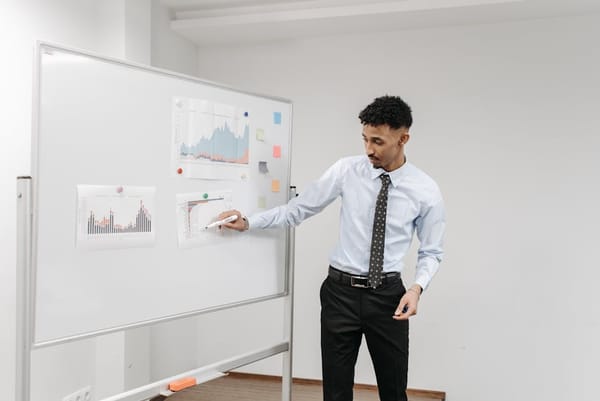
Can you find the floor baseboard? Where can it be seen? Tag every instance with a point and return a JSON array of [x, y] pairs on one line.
[[429, 394]]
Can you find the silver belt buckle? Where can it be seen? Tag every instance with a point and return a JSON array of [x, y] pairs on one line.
[[355, 281]]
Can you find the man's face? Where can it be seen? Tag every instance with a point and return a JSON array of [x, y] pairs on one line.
[[385, 146]]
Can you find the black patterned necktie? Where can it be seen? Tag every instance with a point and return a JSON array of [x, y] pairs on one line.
[[378, 238]]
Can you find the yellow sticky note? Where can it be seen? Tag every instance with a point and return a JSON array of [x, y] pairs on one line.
[[275, 186], [260, 134], [276, 151]]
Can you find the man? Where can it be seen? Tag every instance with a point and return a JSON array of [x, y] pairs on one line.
[[384, 200]]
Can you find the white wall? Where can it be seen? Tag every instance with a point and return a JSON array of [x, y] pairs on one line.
[[138, 30], [115, 28], [22, 22], [506, 121], [169, 50]]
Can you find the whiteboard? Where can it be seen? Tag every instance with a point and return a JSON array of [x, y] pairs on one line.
[[109, 131]]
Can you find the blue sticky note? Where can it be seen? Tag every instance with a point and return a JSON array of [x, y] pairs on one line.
[[277, 118]]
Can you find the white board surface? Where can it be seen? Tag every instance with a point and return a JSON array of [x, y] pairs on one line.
[[105, 124]]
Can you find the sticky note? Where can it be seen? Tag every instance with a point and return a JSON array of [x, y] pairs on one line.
[[277, 118], [262, 202], [275, 186], [260, 134], [262, 167], [277, 151]]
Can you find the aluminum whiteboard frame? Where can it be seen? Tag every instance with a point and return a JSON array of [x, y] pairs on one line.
[[26, 260], [41, 46], [23, 339], [287, 375]]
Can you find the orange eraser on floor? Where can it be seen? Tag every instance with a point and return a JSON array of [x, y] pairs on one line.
[[182, 383]]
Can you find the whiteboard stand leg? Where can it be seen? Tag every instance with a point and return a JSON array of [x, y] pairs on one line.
[[286, 383], [23, 303], [288, 316]]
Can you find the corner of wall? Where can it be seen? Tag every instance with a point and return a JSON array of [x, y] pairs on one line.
[[169, 50]]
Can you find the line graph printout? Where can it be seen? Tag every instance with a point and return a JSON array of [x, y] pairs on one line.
[[195, 211], [210, 140], [115, 216]]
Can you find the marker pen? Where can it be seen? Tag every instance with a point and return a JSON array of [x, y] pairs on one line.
[[229, 219]]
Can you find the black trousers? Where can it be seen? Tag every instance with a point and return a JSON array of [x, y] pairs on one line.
[[346, 314]]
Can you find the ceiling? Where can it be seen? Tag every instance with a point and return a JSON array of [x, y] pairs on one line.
[[220, 22]]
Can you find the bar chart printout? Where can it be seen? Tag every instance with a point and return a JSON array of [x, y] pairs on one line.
[[195, 211], [116, 216], [210, 140]]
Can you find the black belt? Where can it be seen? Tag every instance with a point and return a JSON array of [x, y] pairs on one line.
[[360, 281]]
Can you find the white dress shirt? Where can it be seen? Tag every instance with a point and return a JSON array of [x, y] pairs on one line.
[[414, 202]]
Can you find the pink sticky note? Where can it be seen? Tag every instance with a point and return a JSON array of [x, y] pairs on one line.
[[277, 151]]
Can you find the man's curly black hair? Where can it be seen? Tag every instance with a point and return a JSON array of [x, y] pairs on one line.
[[390, 110]]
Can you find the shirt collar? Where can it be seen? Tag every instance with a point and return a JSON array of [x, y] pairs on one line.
[[395, 176]]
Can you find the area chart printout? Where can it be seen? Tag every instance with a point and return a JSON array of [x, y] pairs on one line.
[[115, 216], [195, 211], [210, 140]]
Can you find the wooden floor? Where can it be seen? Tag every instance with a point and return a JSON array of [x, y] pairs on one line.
[[241, 387]]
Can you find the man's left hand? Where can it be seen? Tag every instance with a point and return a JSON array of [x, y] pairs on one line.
[[408, 303]]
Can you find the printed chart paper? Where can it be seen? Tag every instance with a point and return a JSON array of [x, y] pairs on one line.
[[195, 211], [114, 216], [210, 140]]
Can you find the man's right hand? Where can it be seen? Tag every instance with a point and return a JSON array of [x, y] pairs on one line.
[[241, 224]]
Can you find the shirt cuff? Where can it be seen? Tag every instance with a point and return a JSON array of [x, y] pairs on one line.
[[253, 222]]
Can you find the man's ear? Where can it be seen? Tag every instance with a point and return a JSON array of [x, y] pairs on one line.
[[404, 138]]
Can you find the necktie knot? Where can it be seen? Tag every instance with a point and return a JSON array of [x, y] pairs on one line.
[[385, 179]]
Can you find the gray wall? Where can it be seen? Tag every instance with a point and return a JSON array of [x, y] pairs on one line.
[[506, 121]]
